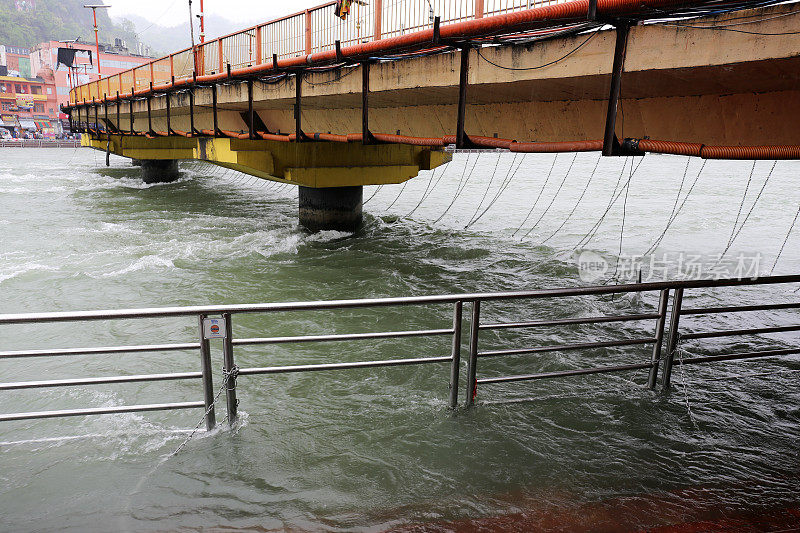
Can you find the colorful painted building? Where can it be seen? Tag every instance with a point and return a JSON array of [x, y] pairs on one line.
[[28, 105], [113, 59]]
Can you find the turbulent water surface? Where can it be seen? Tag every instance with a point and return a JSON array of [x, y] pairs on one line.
[[375, 449]]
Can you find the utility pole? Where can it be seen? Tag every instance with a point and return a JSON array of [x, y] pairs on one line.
[[94, 8], [202, 24]]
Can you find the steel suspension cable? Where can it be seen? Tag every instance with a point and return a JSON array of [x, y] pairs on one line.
[[677, 212], [373, 195], [503, 186], [587, 236], [741, 204], [403, 188], [459, 188], [486, 192], [539, 196], [580, 198], [426, 194], [553, 200], [747, 216], [785, 240]]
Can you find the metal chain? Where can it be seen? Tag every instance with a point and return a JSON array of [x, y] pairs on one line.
[[225, 379]]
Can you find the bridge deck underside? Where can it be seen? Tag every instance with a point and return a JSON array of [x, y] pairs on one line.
[[690, 84]]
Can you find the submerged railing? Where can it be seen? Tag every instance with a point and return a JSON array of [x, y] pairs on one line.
[[306, 32], [222, 328]]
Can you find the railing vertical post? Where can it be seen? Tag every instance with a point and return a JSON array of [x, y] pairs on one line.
[[378, 7], [672, 342], [662, 312], [478, 9], [456, 363], [308, 32], [472, 362], [221, 57], [208, 383], [229, 367], [171, 68], [259, 50]]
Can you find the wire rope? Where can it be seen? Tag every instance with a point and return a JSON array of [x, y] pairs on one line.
[[503, 186], [785, 240], [426, 194], [539, 196], [676, 212], [486, 192], [553, 200], [580, 198], [587, 236], [747, 216], [459, 188], [373, 195]]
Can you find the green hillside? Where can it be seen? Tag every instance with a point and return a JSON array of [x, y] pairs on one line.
[[57, 20]]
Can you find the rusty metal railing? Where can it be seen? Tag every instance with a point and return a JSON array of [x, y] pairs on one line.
[[305, 32]]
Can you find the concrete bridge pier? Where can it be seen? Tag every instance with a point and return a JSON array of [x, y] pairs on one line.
[[331, 208], [158, 170]]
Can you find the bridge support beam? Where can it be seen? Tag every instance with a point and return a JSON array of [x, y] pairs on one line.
[[159, 170], [331, 208]]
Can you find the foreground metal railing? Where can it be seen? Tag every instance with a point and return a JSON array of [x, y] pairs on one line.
[[222, 328]]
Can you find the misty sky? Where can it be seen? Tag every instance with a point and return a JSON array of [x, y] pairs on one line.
[[172, 12]]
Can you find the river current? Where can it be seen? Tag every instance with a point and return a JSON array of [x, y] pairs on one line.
[[377, 449]]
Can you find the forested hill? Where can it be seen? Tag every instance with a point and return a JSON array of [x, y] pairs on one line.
[[26, 23]]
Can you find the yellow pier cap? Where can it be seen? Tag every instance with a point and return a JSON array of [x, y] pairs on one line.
[[309, 164]]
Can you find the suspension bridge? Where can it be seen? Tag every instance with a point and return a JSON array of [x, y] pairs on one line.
[[332, 105]]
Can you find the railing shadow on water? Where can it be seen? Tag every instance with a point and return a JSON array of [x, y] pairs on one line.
[[217, 322]]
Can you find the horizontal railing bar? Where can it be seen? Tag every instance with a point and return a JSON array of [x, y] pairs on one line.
[[99, 381], [101, 350], [566, 347], [732, 357], [565, 373], [347, 337], [100, 411], [342, 366], [734, 332], [737, 309], [382, 302], [563, 321]]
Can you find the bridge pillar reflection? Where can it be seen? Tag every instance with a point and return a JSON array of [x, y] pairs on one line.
[[331, 208], [159, 170]]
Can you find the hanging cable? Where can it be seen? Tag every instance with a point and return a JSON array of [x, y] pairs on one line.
[[594, 33], [619, 194], [459, 188], [785, 240], [373, 195], [587, 236], [405, 183], [427, 193], [486, 192], [583, 193], [677, 212], [621, 228], [553, 200], [747, 216], [539, 196], [741, 204], [503, 186]]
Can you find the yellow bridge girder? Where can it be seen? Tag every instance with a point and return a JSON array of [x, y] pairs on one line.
[[310, 164]]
